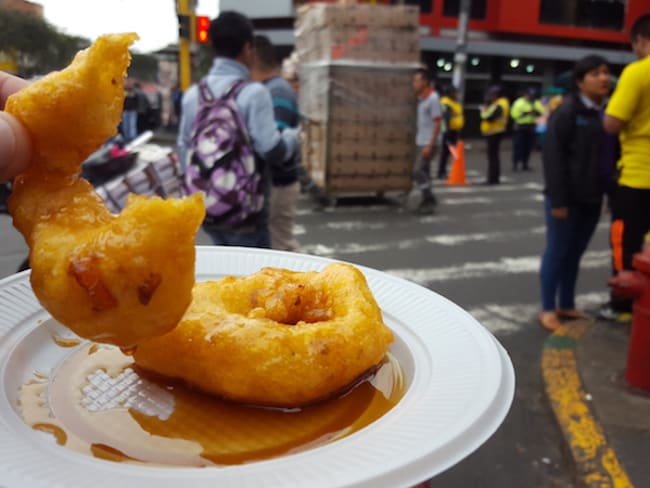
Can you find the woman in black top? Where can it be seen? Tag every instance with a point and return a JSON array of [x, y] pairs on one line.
[[573, 187]]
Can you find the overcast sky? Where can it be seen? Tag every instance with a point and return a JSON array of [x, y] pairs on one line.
[[154, 20]]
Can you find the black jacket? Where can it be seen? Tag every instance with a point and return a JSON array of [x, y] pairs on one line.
[[572, 155]]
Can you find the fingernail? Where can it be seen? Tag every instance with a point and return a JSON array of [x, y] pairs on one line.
[[15, 146]]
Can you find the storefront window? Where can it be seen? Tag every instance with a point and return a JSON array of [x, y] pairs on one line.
[[599, 14], [450, 8]]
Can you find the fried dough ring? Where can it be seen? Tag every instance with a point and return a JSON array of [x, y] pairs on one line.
[[117, 279], [277, 337]]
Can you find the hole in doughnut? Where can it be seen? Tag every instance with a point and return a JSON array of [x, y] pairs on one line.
[[290, 303]]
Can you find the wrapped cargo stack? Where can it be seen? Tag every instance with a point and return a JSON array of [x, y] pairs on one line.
[[356, 68]]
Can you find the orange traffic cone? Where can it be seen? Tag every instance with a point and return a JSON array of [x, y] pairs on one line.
[[457, 173]]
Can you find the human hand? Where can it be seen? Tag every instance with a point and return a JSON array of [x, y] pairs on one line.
[[560, 213], [428, 151], [15, 146]]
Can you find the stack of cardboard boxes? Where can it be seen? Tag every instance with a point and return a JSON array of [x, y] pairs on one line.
[[357, 64]]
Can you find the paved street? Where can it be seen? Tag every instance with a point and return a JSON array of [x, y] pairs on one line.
[[481, 250]]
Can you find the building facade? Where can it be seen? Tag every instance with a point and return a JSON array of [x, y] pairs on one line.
[[515, 43]]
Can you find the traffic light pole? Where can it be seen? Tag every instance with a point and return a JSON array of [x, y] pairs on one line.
[[184, 11], [460, 56]]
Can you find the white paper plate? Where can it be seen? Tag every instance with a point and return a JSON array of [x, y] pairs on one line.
[[460, 387]]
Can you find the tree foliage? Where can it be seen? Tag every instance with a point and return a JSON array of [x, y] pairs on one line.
[[37, 46]]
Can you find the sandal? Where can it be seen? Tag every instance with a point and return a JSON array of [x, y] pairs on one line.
[[571, 313], [549, 321]]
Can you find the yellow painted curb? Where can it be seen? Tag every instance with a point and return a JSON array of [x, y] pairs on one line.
[[595, 462]]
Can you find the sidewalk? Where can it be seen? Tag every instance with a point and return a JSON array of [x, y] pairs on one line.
[[604, 421]]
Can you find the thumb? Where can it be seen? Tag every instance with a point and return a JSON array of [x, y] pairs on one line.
[[15, 147]]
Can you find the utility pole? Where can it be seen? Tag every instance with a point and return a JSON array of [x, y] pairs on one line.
[[460, 56], [186, 29]]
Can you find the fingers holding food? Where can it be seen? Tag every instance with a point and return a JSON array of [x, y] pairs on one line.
[[15, 147], [110, 278], [277, 337], [84, 102]]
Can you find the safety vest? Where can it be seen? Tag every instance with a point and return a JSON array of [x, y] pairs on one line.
[[457, 119], [521, 109], [499, 124]]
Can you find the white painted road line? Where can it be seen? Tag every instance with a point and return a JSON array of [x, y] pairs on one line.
[[504, 266], [509, 318]]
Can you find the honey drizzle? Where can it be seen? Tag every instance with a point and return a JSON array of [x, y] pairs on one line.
[[199, 430], [65, 341]]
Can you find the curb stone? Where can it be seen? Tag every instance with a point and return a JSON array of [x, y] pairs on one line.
[[596, 464]]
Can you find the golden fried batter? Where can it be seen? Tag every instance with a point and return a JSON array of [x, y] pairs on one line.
[[117, 279], [276, 337]]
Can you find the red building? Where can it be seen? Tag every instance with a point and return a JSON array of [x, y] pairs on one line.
[[521, 43]]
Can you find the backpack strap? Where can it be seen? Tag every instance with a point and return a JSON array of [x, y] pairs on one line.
[[208, 97], [235, 89]]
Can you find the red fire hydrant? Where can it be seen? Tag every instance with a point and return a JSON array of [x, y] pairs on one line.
[[636, 285]]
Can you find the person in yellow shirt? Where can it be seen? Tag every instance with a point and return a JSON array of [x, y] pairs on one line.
[[525, 111], [494, 121], [453, 121], [628, 114]]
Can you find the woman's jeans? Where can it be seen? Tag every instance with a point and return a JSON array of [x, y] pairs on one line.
[[566, 241]]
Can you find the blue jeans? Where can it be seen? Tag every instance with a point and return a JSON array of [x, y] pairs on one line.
[[522, 145], [566, 241], [129, 125], [258, 236]]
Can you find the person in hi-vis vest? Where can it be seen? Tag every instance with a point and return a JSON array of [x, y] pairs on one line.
[[494, 120], [525, 111], [453, 121]]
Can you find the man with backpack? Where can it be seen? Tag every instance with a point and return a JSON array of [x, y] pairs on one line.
[[228, 138]]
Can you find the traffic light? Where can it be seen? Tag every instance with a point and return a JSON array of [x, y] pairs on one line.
[[184, 26], [202, 28]]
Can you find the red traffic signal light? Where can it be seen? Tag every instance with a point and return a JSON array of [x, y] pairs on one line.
[[202, 28]]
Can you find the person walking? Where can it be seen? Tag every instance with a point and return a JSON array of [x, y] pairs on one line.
[[453, 121], [628, 115], [231, 35], [129, 123], [285, 189], [574, 188], [429, 115], [494, 121], [525, 111]]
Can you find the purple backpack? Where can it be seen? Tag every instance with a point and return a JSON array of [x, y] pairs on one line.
[[221, 160]]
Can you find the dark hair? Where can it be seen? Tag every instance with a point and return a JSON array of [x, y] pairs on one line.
[[449, 90], [587, 64], [493, 91], [640, 28], [425, 74], [265, 54], [229, 33]]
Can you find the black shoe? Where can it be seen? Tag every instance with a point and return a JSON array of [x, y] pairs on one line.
[[607, 312], [528, 168], [426, 207]]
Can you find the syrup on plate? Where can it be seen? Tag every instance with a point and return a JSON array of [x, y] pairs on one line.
[[99, 403]]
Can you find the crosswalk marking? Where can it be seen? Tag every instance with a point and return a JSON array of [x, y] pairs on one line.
[[509, 318], [516, 219], [501, 267], [404, 244]]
